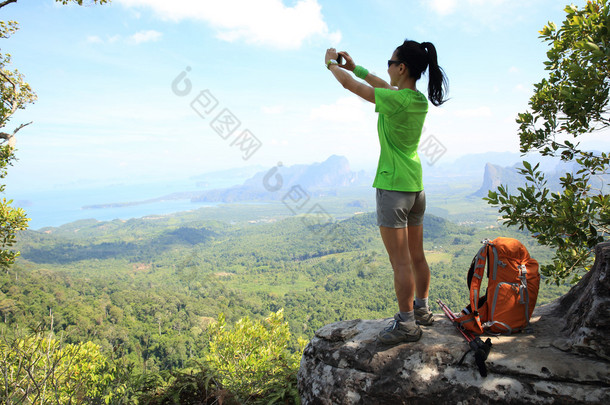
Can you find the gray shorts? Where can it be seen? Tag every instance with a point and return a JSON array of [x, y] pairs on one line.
[[399, 209]]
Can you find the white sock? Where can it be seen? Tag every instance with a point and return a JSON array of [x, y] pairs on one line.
[[407, 316], [421, 302]]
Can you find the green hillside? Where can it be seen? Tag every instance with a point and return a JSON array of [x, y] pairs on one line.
[[149, 288], [152, 285]]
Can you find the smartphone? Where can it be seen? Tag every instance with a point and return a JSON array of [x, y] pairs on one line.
[[340, 59]]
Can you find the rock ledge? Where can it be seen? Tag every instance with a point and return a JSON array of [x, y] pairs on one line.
[[564, 359]]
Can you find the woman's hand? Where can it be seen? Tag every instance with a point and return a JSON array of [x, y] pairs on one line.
[[331, 53], [363, 90], [349, 62]]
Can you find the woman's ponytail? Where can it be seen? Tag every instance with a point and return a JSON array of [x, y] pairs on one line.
[[417, 57], [437, 80]]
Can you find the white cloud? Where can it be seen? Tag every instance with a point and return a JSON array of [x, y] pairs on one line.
[[479, 3], [261, 22], [137, 38], [474, 112], [94, 39], [474, 15], [520, 88], [275, 141], [443, 7], [145, 36], [509, 119], [514, 69], [344, 110], [273, 109], [436, 111]]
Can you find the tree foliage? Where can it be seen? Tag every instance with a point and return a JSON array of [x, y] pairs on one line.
[[571, 103], [41, 369], [16, 95], [152, 302], [12, 219], [253, 360]]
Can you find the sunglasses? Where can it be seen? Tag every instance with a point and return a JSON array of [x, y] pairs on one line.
[[391, 62]]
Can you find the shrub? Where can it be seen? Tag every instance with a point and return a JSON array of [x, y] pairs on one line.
[[254, 361], [39, 369]]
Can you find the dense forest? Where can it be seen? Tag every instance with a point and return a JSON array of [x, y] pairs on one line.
[[150, 288]]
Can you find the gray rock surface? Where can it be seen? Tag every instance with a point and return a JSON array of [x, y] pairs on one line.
[[564, 359], [586, 309]]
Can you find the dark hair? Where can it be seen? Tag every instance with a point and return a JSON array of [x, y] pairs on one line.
[[417, 57]]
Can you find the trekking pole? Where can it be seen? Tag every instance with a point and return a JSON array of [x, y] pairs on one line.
[[481, 349], [467, 335]]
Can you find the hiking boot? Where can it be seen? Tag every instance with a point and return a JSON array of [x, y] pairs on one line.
[[399, 332], [423, 316]]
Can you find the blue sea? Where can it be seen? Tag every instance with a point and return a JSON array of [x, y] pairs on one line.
[[59, 206]]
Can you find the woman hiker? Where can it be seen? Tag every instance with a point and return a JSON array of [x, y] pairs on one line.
[[401, 201]]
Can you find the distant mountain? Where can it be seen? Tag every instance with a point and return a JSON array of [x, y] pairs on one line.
[[496, 175], [466, 167], [473, 162], [226, 178], [326, 178], [317, 179], [332, 173]]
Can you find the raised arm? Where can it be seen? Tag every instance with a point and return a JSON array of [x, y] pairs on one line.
[[377, 82], [347, 81], [370, 78]]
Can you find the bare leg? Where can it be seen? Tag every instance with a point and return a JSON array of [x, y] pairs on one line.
[[421, 271], [396, 241]]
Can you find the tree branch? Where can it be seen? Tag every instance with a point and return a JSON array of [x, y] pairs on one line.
[[8, 79], [7, 2], [14, 101], [11, 137]]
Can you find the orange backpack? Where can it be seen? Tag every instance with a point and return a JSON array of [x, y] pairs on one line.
[[512, 288]]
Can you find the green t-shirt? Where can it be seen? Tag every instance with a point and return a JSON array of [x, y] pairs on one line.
[[400, 124]]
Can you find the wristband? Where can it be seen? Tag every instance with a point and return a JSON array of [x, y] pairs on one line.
[[331, 62], [361, 72]]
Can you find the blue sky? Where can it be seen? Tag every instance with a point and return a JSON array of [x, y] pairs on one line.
[[107, 110]]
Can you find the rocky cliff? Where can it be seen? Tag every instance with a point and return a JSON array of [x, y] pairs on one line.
[[508, 176], [317, 179], [563, 359], [495, 176]]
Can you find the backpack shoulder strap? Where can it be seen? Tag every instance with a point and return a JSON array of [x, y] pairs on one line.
[[478, 271], [471, 270]]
